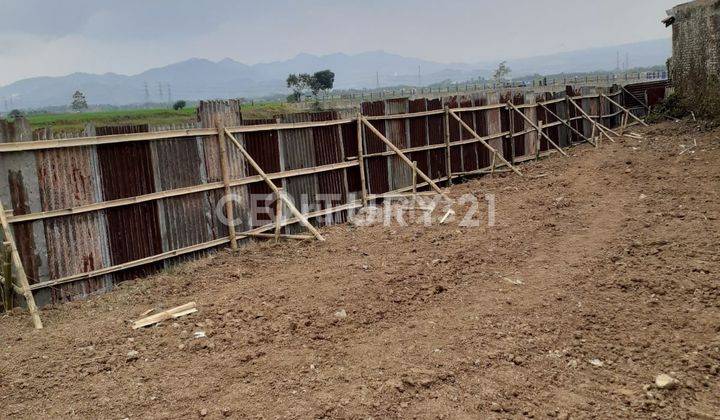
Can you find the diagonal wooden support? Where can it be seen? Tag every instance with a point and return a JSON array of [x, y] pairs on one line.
[[604, 130], [525, 117], [303, 220], [484, 143], [404, 158], [627, 111], [569, 126], [20, 270]]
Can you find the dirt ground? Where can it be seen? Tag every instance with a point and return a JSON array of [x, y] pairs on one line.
[[610, 256]]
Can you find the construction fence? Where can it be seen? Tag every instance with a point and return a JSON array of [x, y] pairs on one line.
[[87, 212]]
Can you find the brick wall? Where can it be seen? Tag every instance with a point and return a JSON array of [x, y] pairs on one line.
[[695, 66]]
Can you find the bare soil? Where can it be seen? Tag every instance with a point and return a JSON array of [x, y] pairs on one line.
[[612, 254]]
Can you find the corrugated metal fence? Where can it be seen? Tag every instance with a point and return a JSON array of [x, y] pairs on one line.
[[99, 208]]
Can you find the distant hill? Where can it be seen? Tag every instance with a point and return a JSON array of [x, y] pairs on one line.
[[198, 78]]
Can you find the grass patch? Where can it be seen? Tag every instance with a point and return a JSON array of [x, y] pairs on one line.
[[76, 122]]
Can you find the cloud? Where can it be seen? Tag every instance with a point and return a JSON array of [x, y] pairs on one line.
[[40, 37]]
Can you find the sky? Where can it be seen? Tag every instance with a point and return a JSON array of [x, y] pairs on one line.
[[58, 37]]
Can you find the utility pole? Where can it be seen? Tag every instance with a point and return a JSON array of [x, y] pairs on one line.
[[627, 61], [169, 93], [617, 67], [377, 79], [160, 91], [147, 93]]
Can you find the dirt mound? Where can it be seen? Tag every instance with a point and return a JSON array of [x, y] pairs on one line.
[[600, 274]]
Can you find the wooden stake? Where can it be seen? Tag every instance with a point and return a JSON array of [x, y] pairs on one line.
[[20, 270], [278, 214], [361, 160], [414, 181], [7, 275], [525, 117], [225, 169], [404, 158], [540, 131], [301, 218], [484, 143], [448, 159]]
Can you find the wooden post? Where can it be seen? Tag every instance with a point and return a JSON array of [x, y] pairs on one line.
[[525, 117], [361, 159], [448, 160], [6, 264], [414, 182], [484, 143], [225, 169], [20, 270], [512, 135], [301, 218], [537, 150], [278, 214]]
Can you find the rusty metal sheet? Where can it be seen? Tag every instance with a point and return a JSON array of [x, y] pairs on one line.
[[227, 112], [350, 147], [436, 135], [184, 220], [264, 148], [455, 151], [77, 243], [298, 152], [126, 170], [482, 128], [469, 151], [531, 138], [329, 150], [376, 167], [506, 115], [400, 172], [519, 125], [418, 134]]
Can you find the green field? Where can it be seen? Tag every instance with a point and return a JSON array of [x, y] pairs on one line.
[[76, 122]]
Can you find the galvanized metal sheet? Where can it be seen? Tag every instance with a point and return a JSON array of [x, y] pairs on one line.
[[328, 150], [436, 135]]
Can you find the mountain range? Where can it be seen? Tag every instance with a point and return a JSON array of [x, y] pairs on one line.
[[199, 78]]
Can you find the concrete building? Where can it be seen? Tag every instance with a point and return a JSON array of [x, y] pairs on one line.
[[695, 64]]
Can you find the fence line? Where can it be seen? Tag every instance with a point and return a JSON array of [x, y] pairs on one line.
[[160, 188]]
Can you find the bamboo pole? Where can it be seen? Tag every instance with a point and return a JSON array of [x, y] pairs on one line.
[[361, 159], [278, 214], [484, 143], [404, 158], [274, 187], [604, 130], [225, 170], [525, 117], [20, 270], [627, 111], [448, 159]]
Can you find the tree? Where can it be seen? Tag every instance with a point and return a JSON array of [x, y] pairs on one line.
[[502, 72], [79, 102], [322, 81], [15, 113], [179, 105], [314, 83]]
